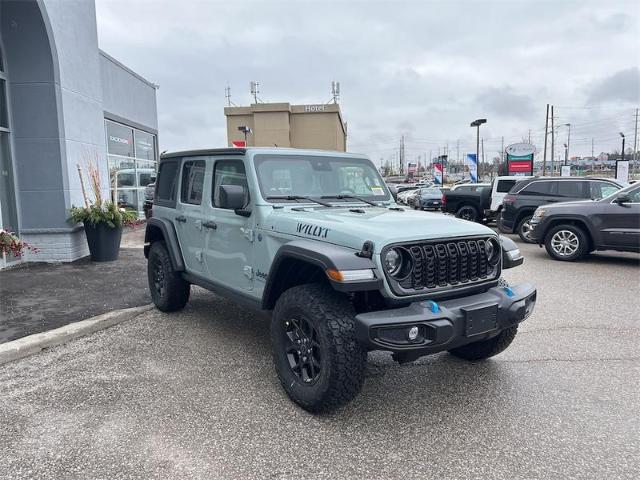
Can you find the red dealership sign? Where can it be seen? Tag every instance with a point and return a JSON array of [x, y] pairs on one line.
[[521, 166]]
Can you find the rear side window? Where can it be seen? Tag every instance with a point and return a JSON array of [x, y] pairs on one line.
[[192, 182], [505, 185], [602, 189], [537, 188], [167, 182], [571, 189]]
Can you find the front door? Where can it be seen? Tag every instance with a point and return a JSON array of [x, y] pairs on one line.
[[619, 224], [189, 214], [228, 248]]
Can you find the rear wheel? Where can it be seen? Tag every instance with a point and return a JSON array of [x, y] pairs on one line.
[[525, 230], [319, 362], [486, 348], [567, 243], [467, 212], [169, 291]]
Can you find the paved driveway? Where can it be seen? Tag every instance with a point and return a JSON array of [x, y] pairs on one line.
[[194, 395]]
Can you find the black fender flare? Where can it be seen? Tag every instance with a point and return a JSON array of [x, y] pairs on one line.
[[168, 234], [510, 260], [324, 256]]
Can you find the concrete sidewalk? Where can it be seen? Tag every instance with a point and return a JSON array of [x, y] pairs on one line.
[[37, 297]]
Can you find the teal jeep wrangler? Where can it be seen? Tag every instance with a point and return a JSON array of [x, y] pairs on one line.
[[315, 239]]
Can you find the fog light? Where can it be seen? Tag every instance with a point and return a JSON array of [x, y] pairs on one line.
[[413, 333]]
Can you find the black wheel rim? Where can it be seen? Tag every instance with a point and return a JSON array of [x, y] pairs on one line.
[[158, 277], [466, 214], [302, 350]]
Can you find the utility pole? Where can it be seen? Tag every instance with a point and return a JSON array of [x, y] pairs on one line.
[[553, 144], [546, 130], [402, 155], [502, 150], [635, 146], [568, 139], [484, 165], [529, 135]]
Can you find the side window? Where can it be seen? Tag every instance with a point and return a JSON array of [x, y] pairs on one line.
[[228, 172], [167, 181], [505, 185], [537, 188], [635, 195], [601, 189], [571, 189], [192, 182]]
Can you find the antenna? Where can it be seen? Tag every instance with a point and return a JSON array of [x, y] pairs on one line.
[[227, 96], [255, 91], [335, 91]]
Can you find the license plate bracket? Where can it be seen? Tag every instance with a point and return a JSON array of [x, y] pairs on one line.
[[481, 320]]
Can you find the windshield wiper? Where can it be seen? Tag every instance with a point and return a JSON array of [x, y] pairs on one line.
[[298, 197], [353, 197]]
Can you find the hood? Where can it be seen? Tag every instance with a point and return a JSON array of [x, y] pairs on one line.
[[382, 226], [577, 203]]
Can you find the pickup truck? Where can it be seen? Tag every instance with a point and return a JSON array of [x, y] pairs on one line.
[[467, 201]]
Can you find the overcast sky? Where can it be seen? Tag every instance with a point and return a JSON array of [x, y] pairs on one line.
[[420, 69]]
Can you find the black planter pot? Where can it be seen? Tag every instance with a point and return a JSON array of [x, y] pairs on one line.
[[104, 241]]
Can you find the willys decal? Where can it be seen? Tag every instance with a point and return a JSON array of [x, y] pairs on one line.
[[313, 230]]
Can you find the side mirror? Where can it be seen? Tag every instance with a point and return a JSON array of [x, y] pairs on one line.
[[511, 255], [232, 197], [622, 198]]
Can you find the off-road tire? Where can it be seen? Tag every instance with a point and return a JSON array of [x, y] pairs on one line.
[[342, 358], [486, 348], [522, 225], [174, 292], [468, 212], [582, 248]]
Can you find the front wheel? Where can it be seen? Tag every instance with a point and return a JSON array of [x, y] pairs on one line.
[[486, 348], [567, 243], [318, 360], [525, 230]]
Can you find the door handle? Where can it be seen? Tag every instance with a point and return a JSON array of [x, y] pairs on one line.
[[211, 225], [181, 219]]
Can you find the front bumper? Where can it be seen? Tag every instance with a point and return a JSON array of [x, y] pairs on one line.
[[447, 324]]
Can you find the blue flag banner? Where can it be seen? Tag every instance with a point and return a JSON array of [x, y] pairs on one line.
[[472, 163]]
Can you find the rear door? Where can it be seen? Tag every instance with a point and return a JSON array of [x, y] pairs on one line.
[[189, 213], [569, 191]]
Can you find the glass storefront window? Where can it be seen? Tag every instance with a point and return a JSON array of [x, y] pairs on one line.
[[119, 140], [4, 111], [7, 193], [145, 145], [132, 160]]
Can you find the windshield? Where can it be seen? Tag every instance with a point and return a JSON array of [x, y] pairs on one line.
[[319, 177], [431, 191]]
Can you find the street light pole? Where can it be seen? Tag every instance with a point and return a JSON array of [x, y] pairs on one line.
[[621, 155], [477, 123]]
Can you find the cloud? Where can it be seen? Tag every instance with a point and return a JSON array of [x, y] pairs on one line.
[[506, 102], [621, 86], [419, 69]]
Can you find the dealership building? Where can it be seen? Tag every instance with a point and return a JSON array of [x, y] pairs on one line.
[[318, 126], [64, 102]]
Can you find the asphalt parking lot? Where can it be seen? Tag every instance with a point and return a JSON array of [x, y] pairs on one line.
[[194, 395]]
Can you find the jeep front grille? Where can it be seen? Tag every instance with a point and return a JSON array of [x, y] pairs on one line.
[[446, 265]]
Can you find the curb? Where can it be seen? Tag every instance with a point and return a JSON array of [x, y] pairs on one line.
[[26, 346]]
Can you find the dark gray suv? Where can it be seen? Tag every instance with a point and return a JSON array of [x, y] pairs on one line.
[[571, 230]]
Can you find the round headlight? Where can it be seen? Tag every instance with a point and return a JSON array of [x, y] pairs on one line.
[[492, 249], [393, 261]]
